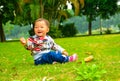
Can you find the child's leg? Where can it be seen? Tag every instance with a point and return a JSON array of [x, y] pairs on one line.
[[52, 56], [56, 56]]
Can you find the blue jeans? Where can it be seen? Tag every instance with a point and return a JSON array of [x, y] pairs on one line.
[[52, 56]]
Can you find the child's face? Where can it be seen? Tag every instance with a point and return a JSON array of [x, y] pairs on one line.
[[41, 29]]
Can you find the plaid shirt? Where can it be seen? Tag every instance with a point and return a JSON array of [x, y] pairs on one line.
[[40, 45]]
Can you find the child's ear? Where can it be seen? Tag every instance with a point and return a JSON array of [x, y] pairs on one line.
[[48, 30]]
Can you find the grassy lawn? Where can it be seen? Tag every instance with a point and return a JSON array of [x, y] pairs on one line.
[[16, 63]]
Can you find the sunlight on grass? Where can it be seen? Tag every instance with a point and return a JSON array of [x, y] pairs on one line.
[[17, 63]]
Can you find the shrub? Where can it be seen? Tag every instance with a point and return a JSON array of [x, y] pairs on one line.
[[68, 30], [89, 73], [31, 32], [55, 32], [108, 31]]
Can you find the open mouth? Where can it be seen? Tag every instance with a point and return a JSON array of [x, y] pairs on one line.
[[39, 32]]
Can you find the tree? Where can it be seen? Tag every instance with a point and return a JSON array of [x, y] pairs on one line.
[[56, 9], [78, 5], [95, 8], [26, 11], [7, 9]]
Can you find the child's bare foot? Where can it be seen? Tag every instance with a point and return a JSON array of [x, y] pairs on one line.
[[73, 58]]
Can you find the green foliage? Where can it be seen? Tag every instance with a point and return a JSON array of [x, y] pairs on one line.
[[108, 31], [68, 30], [119, 26], [104, 8], [31, 32], [89, 72], [35, 10], [6, 13], [95, 8], [54, 32], [8, 27], [15, 31]]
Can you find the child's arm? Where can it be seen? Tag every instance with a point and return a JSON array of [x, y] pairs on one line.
[[59, 48]]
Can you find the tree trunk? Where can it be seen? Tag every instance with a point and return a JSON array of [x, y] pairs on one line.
[[89, 28], [90, 25], [41, 9], [100, 26], [2, 35]]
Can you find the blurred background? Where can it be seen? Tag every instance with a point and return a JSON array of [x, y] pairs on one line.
[[68, 18]]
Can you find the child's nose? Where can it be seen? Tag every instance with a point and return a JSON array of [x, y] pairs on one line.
[[39, 28]]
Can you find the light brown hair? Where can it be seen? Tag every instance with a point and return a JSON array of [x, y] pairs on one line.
[[42, 19]]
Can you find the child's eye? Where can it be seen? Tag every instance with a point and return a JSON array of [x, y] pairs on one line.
[[36, 27]]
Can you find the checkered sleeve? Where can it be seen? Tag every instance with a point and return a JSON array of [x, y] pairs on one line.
[[56, 46]]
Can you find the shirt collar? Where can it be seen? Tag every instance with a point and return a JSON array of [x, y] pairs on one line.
[[41, 38]]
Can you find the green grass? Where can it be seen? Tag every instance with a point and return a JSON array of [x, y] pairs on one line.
[[16, 63]]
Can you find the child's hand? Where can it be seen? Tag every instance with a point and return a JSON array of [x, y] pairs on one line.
[[23, 41]]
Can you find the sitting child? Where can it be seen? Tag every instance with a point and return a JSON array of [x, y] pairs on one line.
[[44, 49]]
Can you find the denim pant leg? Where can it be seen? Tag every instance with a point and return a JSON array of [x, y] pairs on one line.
[[49, 58], [58, 57]]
